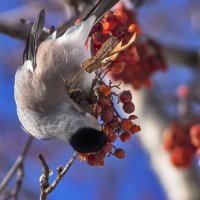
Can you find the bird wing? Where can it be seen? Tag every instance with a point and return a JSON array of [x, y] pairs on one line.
[[32, 42]]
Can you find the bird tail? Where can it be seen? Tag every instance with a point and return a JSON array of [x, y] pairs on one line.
[[82, 30], [32, 42], [100, 9]]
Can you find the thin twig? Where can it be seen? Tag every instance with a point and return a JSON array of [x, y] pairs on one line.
[[15, 192], [61, 174], [16, 165], [44, 181]]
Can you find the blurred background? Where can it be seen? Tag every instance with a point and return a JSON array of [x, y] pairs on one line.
[[146, 173]]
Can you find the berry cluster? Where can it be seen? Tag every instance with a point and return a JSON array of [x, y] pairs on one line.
[[113, 125], [177, 142], [182, 138], [138, 62]]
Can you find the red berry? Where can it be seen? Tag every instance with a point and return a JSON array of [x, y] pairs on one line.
[[104, 90], [99, 162], [99, 109], [195, 135], [97, 38], [109, 17], [125, 96], [118, 32], [134, 28], [181, 157], [134, 129], [109, 26], [121, 16], [112, 137], [126, 124], [168, 139], [128, 107], [106, 129], [107, 115], [125, 136], [114, 123], [108, 147], [96, 162], [132, 117], [100, 154], [118, 67], [104, 102], [183, 91], [119, 153]]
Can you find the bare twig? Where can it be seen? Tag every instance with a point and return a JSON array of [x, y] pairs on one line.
[[15, 192], [44, 181], [16, 166]]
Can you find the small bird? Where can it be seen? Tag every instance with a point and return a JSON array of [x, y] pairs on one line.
[[44, 108]]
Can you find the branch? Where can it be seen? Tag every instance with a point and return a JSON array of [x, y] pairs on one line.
[[45, 188], [17, 166], [11, 23]]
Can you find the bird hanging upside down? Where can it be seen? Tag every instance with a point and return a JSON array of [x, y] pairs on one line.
[[44, 108]]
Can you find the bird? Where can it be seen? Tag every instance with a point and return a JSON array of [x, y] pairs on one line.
[[44, 108]]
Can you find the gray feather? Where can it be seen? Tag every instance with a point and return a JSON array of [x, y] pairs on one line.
[[60, 122]]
